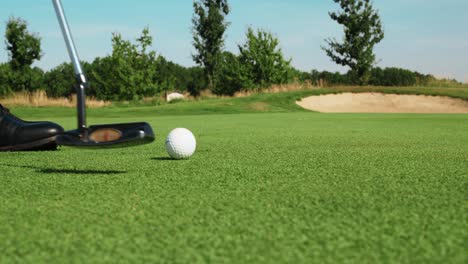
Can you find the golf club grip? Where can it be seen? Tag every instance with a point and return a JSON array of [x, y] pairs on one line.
[[67, 35]]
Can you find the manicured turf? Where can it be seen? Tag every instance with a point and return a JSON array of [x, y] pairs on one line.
[[291, 187]]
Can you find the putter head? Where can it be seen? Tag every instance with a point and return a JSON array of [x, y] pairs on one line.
[[108, 136]]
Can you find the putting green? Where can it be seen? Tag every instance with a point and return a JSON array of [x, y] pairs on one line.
[[293, 187]]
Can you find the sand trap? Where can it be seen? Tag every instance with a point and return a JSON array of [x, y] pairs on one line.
[[383, 103]]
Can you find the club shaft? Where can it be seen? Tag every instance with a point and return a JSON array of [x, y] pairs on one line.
[[67, 35], [81, 106], [80, 76]]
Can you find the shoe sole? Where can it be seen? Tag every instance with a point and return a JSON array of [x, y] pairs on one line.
[[38, 145]]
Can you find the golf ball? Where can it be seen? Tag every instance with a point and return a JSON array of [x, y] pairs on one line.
[[180, 143]]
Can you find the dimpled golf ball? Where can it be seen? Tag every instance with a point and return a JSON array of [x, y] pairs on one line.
[[181, 143]]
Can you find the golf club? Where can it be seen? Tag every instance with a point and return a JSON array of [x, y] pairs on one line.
[[98, 136]]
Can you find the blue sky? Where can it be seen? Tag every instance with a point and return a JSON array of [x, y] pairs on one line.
[[430, 36]]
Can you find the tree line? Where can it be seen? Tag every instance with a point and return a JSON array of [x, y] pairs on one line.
[[134, 70]]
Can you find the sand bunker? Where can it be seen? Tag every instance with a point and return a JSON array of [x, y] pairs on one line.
[[383, 103]]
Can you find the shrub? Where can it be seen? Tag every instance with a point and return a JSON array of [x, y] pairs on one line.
[[379, 77], [196, 81], [21, 80], [26, 79], [234, 76], [59, 81], [171, 76], [5, 76], [129, 73], [326, 78], [393, 77], [264, 60]]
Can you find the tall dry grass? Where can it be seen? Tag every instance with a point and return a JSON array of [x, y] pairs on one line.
[[278, 88], [40, 98]]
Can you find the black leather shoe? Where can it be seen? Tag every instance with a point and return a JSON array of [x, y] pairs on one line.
[[20, 135]]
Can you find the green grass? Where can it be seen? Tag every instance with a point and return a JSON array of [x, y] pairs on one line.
[[284, 186]]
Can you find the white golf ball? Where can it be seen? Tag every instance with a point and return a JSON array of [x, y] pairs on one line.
[[181, 143]]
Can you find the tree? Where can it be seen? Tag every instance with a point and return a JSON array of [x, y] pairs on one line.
[[264, 59], [5, 76], [209, 26], [234, 75], [362, 30], [196, 81], [23, 47], [129, 73], [59, 81]]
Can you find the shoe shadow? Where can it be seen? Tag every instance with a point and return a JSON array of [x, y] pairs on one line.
[[66, 171]]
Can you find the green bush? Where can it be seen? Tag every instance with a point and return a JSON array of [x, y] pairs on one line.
[[234, 76], [26, 79], [21, 80], [264, 61], [171, 76], [5, 76], [60, 81], [129, 73], [379, 77], [113, 79], [393, 77], [326, 78], [196, 81]]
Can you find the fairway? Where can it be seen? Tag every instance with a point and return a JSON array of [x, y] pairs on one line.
[[295, 187]]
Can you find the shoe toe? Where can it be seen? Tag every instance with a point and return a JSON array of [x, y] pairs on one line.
[[52, 129], [37, 131]]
